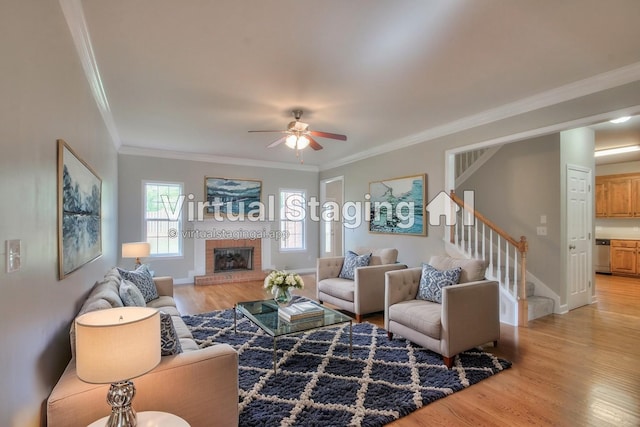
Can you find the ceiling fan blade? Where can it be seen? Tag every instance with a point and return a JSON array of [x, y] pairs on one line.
[[279, 131], [328, 135], [314, 144], [277, 142]]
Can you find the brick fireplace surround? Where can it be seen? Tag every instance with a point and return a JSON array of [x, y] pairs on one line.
[[211, 278]]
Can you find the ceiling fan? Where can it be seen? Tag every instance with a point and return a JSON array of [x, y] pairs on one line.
[[298, 135]]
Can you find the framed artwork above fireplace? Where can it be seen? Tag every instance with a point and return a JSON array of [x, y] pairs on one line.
[[230, 196]]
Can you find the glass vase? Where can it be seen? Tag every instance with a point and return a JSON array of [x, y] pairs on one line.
[[282, 296]]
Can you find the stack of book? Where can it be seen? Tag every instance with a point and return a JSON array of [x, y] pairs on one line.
[[300, 311]]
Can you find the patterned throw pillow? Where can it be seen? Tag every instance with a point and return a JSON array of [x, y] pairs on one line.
[[352, 261], [143, 280], [433, 280], [169, 341], [130, 294]]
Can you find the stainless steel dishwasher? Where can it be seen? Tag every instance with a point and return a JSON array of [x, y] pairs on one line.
[[602, 259]]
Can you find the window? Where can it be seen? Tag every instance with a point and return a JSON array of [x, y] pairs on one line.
[[163, 218], [292, 219]]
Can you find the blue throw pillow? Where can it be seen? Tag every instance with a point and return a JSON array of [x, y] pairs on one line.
[[433, 280], [352, 261], [169, 341], [141, 277], [130, 294]]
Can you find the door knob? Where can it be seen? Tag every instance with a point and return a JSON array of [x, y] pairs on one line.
[[572, 247]]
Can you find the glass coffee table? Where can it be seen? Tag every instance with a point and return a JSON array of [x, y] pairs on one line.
[[264, 314]]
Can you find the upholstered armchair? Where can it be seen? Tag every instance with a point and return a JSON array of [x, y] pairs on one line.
[[365, 293], [468, 315]]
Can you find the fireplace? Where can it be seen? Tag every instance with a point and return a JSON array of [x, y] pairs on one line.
[[232, 259]]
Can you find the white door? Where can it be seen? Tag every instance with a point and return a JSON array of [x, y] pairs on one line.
[[579, 226], [331, 237]]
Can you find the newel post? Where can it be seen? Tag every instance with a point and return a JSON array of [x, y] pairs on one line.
[[523, 304]]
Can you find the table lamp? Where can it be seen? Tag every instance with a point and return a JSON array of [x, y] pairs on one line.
[[114, 346], [136, 250]]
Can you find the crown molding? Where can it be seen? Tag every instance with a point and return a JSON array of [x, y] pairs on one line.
[[577, 89], [74, 15], [209, 158]]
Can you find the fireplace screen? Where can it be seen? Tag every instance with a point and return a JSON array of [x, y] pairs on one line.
[[232, 259]]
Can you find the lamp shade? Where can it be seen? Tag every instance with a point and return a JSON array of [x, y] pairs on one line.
[[136, 250], [117, 344]]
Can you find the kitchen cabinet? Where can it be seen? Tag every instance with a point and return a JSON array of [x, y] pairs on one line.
[[601, 198], [625, 257], [635, 196], [617, 196]]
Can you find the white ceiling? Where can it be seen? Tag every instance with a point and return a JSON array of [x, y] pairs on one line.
[[195, 76]]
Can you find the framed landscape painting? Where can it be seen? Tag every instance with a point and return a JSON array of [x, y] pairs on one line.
[[228, 196], [79, 212], [397, 205]]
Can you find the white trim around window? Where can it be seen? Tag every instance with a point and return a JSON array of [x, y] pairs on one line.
[[293, 220], [162, 218]]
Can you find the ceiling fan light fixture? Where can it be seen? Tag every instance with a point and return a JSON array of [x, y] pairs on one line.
[[303, 142], [291, 141], [296, 142]]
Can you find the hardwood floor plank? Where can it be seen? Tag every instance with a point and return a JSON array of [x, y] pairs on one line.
[[577, 369]]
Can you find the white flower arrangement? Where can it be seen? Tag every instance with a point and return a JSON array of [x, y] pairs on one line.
[[283, 280]]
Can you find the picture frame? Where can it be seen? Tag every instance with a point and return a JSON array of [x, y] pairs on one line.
[[232, 196], [79, 212], [398, 206]]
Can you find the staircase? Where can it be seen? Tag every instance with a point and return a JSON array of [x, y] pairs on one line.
[[539, 306], [474, 236], [470, 161]]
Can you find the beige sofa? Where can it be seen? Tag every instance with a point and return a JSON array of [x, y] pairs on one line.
[[469, 315], [199, 385], [364, 294]]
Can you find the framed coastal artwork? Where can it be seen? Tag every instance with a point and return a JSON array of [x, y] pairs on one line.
[[79, 212], [397, 205], [230, 196]]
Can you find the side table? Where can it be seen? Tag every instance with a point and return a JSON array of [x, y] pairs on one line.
[[150, 419]]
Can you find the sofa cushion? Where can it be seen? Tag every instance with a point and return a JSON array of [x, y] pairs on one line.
[[433, 280], [143, 280], [380, 256], [339, 288], [472, 269], [169, 341], [352, 261], [130, 294], [421, 316], [164, 303]]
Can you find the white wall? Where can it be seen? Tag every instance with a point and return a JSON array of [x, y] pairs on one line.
[[133, 170], [419, 159], [514, 188], [45, 96]]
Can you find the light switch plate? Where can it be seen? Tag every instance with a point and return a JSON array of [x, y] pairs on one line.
[[13, 255], [543, 219]]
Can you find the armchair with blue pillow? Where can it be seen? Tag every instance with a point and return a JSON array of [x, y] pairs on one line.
[[446, 306], [355, 282]]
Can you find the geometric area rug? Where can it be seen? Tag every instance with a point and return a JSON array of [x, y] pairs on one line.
[[317, 384]]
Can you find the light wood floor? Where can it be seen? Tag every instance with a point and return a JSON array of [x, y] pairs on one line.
[[576, 369]]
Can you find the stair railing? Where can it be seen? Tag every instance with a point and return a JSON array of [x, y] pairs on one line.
[[485, 240]]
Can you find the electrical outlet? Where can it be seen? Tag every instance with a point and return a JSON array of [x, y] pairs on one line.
[[541, 231]]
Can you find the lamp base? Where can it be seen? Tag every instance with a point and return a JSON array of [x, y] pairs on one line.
[[119, 397]]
